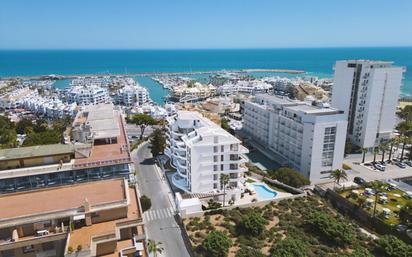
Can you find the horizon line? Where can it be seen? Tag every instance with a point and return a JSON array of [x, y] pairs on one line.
[[188, 49]]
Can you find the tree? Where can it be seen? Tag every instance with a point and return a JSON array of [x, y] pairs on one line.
[[375, 152], [393, 247], [406, 113], [290, 177], [154, 247], [357, 252], [378, 188], [348, 146], [254, 224], [364, 151], [337, 175], [216, 244], [383, 147], [145, 202], [23, 125], [46, 137], [405, 133], [224, 180], [143, 120], [157, 142], [289, 247], [391, 143], [405, 214], [7, 133]]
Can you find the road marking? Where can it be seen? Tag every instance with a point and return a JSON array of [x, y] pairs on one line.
[[158, 214]]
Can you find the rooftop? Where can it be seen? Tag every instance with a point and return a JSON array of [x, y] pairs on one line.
[[61, 198], [35, 151]]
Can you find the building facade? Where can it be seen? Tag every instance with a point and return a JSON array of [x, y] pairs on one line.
[[131, 95], [201, 151], [99, 150], [101, 218], [368, 93], [310, 139], [86, 95]]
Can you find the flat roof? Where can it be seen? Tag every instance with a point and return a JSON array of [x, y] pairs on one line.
[[61, 198], [35, 151]]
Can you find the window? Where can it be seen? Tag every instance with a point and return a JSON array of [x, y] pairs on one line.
[[215, 167], [215, 177], [221, 166], [215, 148], [222, 148], [328, 146], [222, 158], [214, 185]]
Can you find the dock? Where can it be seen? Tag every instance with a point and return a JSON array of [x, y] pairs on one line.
[[150, 74]]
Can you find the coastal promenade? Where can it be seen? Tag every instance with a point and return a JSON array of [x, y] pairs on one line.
[[73, 76]]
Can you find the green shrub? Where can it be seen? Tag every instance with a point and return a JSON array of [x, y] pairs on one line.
[[289, 177], [249, 252], [254, 224], [391, 246], [216, 244], [145, 202], [326, 226], [289, 247]]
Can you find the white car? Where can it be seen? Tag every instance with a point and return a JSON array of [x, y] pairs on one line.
[[379, 167], [409, 163]]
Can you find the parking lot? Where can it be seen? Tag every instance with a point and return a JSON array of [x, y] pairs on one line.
[[370, 173]]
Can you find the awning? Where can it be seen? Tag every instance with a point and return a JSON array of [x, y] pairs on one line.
[[79, 217]]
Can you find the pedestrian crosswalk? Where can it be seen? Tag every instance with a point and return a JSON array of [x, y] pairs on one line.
[[158, 214]]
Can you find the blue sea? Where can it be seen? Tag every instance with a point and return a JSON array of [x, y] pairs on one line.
[[315, 61]]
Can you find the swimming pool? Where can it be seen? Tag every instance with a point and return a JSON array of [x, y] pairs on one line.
[[264, 192]]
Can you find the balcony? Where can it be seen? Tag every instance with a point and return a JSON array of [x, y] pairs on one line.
[[180, 182]]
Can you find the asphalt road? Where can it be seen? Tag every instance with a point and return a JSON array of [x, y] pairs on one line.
[[160, 223]]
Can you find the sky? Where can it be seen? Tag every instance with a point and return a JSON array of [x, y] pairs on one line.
[[188, 24]]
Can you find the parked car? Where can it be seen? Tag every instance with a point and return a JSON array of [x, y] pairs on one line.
[[401, 228], [409, 233], [409, 163], [401, 165], [379, 167], [359, 180]]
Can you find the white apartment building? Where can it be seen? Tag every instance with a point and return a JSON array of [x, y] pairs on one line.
[[368, 92], [201, 151], [131, 94], [310, 139], [85, 95]]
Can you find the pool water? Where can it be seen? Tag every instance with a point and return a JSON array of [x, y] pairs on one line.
[[264, 192]]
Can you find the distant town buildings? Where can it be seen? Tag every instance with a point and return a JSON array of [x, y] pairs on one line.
[[368, 93], [201, 151], [310, 139]]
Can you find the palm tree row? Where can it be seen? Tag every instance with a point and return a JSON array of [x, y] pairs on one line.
[[402, 140]]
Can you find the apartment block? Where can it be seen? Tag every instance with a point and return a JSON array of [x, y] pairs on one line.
[[99, 150], [308, 138], [201, 151], [101, 218], [368, 93]]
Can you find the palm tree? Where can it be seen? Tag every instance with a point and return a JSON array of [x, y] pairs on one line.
[[405, 128], [391, 143], [377, 187], [383, 147], [375, 152], [338, 175], [154, 247], [224, 180], [364, 151]]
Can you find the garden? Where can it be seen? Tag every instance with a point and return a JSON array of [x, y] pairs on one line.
[[306, 226], [381, 200]]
